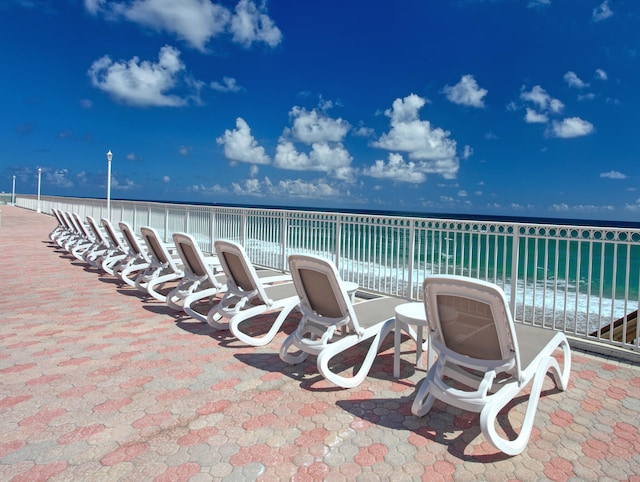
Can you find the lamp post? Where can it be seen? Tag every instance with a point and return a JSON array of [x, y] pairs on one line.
[[109, 157], [13, 191], [38, 210]]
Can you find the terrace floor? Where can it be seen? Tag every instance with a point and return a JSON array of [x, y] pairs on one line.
[[98, 383]]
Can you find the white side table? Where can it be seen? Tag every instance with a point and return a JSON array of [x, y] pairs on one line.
[[409, 314]]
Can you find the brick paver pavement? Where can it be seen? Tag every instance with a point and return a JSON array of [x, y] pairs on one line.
[[98, 383]]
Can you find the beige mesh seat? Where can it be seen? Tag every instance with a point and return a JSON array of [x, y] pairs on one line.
[[249, 295], [331, 324], [481, 365]]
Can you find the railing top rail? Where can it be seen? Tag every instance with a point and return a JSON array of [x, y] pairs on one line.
[[545, 228]]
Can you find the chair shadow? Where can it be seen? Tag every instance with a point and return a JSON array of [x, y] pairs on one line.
[[455, 428]]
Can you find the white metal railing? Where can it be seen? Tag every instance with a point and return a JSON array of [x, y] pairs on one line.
[[578, 279]]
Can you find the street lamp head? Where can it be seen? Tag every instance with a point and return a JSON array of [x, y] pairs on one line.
[[39, 170], [109, 156]]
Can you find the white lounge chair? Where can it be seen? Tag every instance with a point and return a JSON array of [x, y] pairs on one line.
[[136, 259], [331, 324], [162, 269], [248, 296], [81, 241], [60, 227], [62, 231], [116, 250], [99, 246], [477, 342], [199, 280]]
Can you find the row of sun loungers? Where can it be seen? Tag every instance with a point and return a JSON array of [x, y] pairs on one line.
[[480, 365]]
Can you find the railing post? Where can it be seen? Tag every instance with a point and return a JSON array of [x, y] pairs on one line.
[[212, 229], [166, 222], [186, 219], [243, 228], [412, 239], [515, 261], [338, 249], [284, 236]]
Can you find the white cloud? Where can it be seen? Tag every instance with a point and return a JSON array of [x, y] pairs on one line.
[[314, 126], [326, 157], [250, 187], [194, 21], [132, 156], [124, 185], [363, 131], [215, 189], [534, 117], [240, 145], [57, 177], [601, 74], [302, 189], [432, 146], [228, 84], [94, 6], [538, 3], [86, 103], [467, 152], [466, 92], [141, 83], [184, 150], [322, 157], [324, 134], [396, 169], [573, 80], [581, 208], [287, 157], [634, 206], [571, 127], [166, 179], [613, 175], [602, 12], [588, 96], [287, 188], [538, 96], [249, 24]]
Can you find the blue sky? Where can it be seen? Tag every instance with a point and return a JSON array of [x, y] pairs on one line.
[[502, 107]]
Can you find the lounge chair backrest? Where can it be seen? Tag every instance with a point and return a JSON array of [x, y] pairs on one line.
[[97, 231], [319, 293], [65, 220], [131, 240], [73, 223], [192, 256], [56, 213], [318, 285], [239, 270], [472, 318], [113, 238], [81, 226], [157, 249]]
